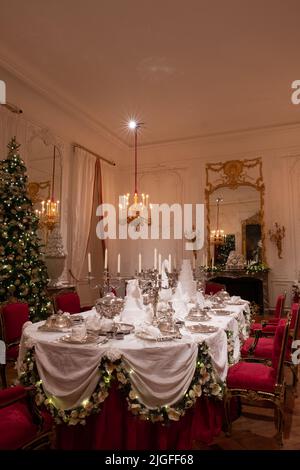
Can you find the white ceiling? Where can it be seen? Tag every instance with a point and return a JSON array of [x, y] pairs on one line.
[[184, 67]]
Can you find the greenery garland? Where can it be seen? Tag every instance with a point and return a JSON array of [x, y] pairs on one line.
[[230, 346], [204, 382]]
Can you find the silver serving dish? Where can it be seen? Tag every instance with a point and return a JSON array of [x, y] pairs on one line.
[[58, 322], [109, 306], [197, 314]]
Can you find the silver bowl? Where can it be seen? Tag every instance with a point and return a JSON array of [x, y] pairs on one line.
[[109, 306]]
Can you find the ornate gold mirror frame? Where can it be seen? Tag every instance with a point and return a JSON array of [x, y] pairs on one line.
[[233, 174]]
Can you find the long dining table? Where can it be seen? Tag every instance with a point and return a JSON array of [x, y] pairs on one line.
[[134, 393]]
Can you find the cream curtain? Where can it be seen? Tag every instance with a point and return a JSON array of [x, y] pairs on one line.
[[83, 179]]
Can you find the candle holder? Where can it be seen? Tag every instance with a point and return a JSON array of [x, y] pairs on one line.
[[150, 284]]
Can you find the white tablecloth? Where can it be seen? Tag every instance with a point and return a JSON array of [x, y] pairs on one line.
[[160, 372]]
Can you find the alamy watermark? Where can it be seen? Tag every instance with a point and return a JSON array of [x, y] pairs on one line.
[[2, 92], [162, 221]]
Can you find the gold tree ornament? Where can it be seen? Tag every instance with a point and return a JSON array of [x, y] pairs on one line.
[[277, 235]]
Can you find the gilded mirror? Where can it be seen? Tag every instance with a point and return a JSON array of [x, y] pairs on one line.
[[235, 204]]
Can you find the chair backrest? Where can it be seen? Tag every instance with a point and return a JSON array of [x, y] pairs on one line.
[[279, 305], [295, 319], [213, 287], [13, 316], [279, 347], [67, 302]]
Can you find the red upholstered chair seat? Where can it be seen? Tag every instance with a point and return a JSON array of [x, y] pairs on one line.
[[271, 321], [68, 302], [252, 376], [17, 427], [14, 315]]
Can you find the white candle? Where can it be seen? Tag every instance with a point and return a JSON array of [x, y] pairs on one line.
[[175, 262], [105, 259], [159, 263], [140, 263], [170, 263], [155, 258], [119, 264], [89, 263], [213, 261], [203, 260]]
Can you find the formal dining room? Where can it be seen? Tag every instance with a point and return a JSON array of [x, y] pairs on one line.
[[150, 226]]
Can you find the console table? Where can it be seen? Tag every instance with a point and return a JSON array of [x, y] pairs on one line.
[[253, 287]]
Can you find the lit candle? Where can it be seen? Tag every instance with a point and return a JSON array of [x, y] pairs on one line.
[[159, 263], [119, 264], [140, 262], [213, 261], [170, 263], [89, 263], [155, 258], [105, 259]]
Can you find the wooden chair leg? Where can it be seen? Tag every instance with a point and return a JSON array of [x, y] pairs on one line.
[[228, 424], [279, 422], [3, 375]]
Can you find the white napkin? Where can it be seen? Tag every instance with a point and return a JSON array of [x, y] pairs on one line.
[[94, 322], [200, 299], [148, 330], [235, 298]]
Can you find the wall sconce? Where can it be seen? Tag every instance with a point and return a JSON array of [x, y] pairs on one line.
[[276, 236]]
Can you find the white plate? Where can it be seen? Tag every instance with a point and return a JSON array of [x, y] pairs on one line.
[[164, 337], [222, 313], [202, 329], [89, 339]]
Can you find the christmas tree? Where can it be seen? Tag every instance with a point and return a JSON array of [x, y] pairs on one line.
[[23, 274]]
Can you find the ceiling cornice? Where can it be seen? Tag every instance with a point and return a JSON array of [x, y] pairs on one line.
[[264, 130], [25, 74]]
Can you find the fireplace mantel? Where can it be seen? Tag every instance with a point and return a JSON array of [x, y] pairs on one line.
[[251, 286]]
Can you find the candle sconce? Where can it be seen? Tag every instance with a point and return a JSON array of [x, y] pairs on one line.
[[276, 236]]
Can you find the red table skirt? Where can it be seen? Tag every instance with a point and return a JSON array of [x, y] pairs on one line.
[[115, 427]]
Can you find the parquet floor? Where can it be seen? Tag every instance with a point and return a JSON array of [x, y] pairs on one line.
[[253, 430]]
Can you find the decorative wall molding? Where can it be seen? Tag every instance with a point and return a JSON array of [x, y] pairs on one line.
[[42, 86]]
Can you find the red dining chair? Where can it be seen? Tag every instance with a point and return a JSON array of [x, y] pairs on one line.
[[69, 302], [2, 362], [256, 382], [268, 325], [22, 426], [12, 318], [261, 346], [213, 287]]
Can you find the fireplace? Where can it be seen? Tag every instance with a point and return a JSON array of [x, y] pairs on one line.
[[252, 287]]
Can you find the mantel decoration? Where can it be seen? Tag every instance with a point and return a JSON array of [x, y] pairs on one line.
[[277, 235], [22, 271], [138, 211]]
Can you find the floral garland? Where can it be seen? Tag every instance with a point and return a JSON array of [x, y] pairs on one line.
[[257, 268], [230, 346], [29, 376], [204, 382]]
